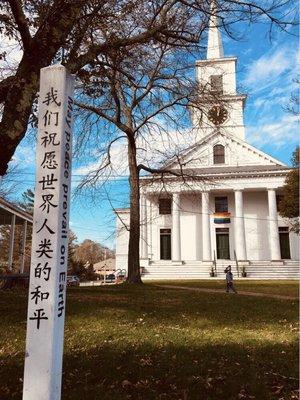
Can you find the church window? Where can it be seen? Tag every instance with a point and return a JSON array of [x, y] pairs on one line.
[[221, 204], [216, 84], [165, 206], [219, 154]]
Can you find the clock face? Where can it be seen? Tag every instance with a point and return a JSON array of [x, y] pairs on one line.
[[217, 115]]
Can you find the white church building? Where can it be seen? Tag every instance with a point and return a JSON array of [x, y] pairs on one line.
[[227, 213]]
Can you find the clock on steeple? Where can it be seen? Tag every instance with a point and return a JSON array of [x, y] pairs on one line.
[[218, 115]]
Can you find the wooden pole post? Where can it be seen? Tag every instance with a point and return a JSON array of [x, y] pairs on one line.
[[48, 273], [11, 242], [23, 247]]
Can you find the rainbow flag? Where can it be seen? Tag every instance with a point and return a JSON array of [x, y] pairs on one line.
[[222, 218]]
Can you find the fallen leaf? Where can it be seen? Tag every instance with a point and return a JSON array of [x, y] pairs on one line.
[[126, 383], [277, 389]]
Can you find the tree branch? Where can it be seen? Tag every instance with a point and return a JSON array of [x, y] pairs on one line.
[[20, 19], [98, 111]]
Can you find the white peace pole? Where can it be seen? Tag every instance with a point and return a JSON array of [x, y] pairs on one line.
[[48, 273]]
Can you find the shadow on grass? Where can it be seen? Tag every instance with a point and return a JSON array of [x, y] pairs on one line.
[[155, 343], [169, 305], [169, 372]]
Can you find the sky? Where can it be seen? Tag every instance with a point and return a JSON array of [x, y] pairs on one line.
[[266, 70]]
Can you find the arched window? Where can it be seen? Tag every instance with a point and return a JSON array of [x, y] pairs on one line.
[[219, 154]]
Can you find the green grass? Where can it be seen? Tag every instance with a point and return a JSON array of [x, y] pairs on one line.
[[147, 342], [283, 287]]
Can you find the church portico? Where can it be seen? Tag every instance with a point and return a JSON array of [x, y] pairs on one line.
[[233, 224], [183, 230]]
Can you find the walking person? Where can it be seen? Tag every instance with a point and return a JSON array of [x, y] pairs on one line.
[[229, 280]]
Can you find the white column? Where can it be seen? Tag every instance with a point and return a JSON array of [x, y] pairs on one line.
[[23, 246], [11, 242], [144, 244], [206, 245], [176, 241], [149, 228], [239, 226], [273, 226]]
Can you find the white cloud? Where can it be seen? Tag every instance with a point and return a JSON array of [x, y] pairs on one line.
[[153, 149], [269, 69], [259, 102], [25, 155], [160, 146], [13, 55], [270, 83], [279, 133], [118, 166]]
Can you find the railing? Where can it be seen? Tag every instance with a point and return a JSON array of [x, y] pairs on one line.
[[121, 272], [215, 263], [237, 264], [91, 283]]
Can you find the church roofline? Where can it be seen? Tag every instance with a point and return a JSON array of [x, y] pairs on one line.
[[222, 97], [187, 152], [246, 171], [261, 153], [121, 210], [7, 208], [215, 60]]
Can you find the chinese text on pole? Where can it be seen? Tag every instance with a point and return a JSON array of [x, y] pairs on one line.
[[48, 274]]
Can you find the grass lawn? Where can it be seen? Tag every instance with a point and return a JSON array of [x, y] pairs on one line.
[[283, 287], [153, 343]]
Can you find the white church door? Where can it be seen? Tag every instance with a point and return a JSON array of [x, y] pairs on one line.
[[284, 240], [222, 240], [165, 244]]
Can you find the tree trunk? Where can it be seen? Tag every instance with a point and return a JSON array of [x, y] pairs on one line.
[[17, 110], [134, 275], [21, 89]]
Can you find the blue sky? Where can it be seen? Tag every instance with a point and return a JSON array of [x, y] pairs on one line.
[[266, 69]]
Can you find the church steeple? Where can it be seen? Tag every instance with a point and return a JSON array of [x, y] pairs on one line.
[[216, 76], [214, 46]]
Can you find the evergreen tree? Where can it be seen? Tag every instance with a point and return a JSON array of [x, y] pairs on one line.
[[289, 204], [27, 202]]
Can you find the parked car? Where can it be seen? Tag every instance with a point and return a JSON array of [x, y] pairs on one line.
[[72, 280], [110, 278]]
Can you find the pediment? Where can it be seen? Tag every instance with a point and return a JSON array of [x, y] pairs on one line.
[[237, 153]]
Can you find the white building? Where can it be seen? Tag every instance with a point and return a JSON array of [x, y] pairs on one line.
[[227, 213]]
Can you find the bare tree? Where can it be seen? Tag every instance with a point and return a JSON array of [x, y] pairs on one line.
[[92, 252], [293, 107], [78, 33], [144, 87], [83, 33]]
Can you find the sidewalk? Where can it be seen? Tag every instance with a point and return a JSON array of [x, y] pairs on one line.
[[240, 292]]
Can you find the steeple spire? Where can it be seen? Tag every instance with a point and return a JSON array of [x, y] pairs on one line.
[[214, 46]]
